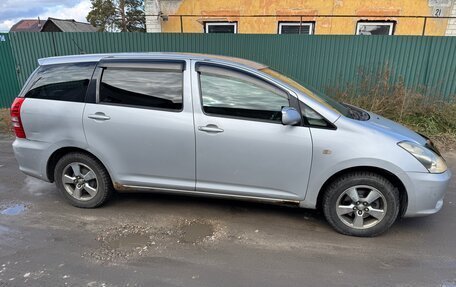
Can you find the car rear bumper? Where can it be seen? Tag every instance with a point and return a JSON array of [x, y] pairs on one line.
[[426, 192], [30, 157]]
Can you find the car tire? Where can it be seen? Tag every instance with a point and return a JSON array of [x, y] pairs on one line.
[[82, 180], [363, 204]]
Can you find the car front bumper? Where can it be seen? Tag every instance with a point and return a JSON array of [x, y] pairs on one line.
[[426, 192]]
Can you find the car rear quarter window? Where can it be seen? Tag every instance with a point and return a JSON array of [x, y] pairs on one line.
[[61, 82], [142, 88]]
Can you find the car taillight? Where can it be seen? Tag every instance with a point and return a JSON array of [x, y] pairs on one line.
[[16, 118]]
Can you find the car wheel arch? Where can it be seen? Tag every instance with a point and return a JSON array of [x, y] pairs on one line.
[[394, 179], [59, 153]]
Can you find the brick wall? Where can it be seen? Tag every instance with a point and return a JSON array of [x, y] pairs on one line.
[[154, 7], [153, 23], [451, 28]]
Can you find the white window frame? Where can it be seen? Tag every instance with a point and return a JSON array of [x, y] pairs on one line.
[[369, 23], [310, 24], [216, 23]]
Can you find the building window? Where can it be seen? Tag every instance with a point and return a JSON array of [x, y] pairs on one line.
[[220, 27], [296, 28], [374, 28]]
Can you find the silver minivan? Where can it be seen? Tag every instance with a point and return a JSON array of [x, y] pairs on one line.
[[221, 127]]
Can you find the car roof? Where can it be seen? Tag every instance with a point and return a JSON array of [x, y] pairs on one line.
[[149, 55]]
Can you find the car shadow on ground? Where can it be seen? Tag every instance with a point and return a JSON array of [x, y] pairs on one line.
[[249, 211], [208, 206]]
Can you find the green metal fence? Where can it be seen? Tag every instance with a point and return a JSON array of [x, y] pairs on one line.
[[9, 85], [320, 61]]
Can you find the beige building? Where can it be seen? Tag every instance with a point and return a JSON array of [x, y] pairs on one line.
[[346, 17]]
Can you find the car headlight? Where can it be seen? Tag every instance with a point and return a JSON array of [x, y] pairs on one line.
[[433, 162]]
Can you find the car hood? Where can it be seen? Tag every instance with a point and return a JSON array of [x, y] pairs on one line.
[[399, 131]]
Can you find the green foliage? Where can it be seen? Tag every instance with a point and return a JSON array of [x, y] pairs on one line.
[[118, 15], [136, 16]]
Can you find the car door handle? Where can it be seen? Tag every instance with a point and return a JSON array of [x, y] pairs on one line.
[[211, 129], [99, 116]]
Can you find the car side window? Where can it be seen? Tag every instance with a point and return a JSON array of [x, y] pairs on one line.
[[61, 82], [142, 88], [312, 118], [225, 92]]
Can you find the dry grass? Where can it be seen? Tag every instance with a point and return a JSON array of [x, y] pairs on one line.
[[5, 122], [426, 115]]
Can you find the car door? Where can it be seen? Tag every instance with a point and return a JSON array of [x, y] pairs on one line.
[[141, 122], [242, 148]]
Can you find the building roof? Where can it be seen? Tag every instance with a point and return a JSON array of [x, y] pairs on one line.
[[150, 55], [70, 25], [28, 25]]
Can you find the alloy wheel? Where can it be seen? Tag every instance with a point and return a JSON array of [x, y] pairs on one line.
[[361, 207], [80, 181]]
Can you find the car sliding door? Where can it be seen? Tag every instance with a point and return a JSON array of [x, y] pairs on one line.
[[141, 124]]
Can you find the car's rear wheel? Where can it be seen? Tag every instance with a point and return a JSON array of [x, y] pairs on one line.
[[82, 180], [361, 204]]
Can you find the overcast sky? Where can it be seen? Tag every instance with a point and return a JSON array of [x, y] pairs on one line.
[[12, 11]]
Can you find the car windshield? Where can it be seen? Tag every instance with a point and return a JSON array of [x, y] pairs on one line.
[[316, 95]]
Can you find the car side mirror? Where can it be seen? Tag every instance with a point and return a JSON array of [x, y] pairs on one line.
[[290, 116]]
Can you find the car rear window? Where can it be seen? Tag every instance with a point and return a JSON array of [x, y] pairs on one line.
[[61, 82]]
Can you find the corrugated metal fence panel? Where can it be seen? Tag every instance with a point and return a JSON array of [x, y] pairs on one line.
[[8, 81], [332, 61], [441, 71], [27, 48]]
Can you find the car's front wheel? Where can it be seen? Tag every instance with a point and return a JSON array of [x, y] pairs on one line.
[[82, 180], [361, 204]]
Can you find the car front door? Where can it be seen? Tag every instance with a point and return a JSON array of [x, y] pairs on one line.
[[242, 148], [141, 123]]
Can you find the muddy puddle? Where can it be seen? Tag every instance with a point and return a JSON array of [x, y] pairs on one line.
[[196, 232], [13, 209], [4, 230], [130, 241]]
